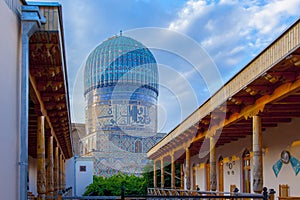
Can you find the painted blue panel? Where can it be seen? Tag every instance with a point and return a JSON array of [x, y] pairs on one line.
[[126, 55]]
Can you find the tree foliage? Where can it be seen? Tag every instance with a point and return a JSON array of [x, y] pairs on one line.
[[111, 186], [148, 175]]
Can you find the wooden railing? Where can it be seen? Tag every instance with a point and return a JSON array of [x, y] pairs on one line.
[[159, 193], [197, 194], [284, 193]]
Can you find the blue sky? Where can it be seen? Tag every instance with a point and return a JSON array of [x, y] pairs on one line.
[[229, 32]]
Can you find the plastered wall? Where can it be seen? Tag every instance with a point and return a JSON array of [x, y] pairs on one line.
[[9, 102], [275, 140]]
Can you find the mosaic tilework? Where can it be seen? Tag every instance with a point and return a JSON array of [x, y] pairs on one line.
[[121, 90]]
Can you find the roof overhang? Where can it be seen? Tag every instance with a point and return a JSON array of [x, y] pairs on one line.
[[49, 94], [268, 86]]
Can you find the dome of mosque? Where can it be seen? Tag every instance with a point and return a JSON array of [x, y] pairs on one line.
[[121, 60], [121, 91]]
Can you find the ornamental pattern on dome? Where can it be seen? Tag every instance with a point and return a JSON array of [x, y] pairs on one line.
[[121, 90], [121, 60]]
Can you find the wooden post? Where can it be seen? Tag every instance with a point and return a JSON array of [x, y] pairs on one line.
[[188, 168], [154, 174], [41, 169], [257, 155], [172, 170], [60, 171], [272, 194], [56, 171], [162, 172], [50, 188], [213, 167], [63, 174], [59, 195], [181, 177], [221, 175]]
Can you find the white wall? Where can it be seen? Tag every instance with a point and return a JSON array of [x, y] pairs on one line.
[[83, 179], [232, 176], [275, 140], [9, 104], [32, 175], [233, 150], [200, 177], [70, 174]]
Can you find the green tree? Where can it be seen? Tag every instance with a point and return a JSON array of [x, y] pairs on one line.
[[148, 175], [111, 186]]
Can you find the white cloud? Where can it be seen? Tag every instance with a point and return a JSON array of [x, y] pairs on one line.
[[267, 18], [188, 14], [190, 73], [228, 1], [233, 31]]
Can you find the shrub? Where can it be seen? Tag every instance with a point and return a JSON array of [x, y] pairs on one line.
[[111, 186]]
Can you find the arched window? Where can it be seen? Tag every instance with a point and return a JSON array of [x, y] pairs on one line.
[[207, 175], [80, 148], [85, 150], [246, 172], [138, 146]]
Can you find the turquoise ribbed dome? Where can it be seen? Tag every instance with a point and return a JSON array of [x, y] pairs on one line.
[[118, 60]]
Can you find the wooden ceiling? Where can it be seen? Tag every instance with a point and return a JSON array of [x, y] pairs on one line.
[[282, 110], [48, 92], [272, 93]]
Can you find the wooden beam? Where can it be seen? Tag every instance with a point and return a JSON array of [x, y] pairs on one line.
[[279, 93], [43, 110]]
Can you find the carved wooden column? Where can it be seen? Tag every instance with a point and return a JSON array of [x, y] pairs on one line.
[[172, 170], [41, 169], [181, 177], [63, 174], [60, 171], [188, 168], [257, 155], [213, 167], [56, 171], [154, 174], [50, 188], [162, 172]]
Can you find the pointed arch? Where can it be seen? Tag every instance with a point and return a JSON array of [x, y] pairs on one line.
[[221, 174], [246, 171], [207, 175], [138, 147]]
